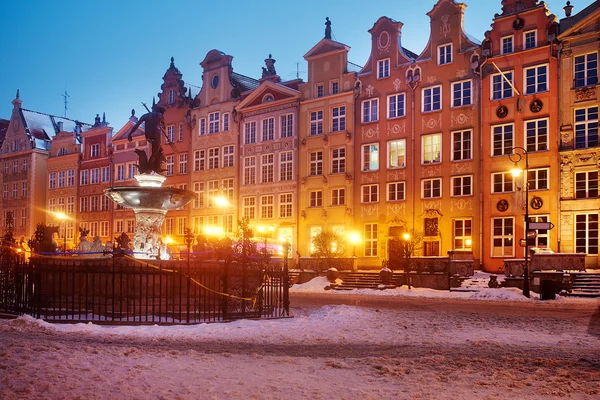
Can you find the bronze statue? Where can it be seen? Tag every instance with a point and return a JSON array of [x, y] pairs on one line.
[[154, 129], [327, 28]]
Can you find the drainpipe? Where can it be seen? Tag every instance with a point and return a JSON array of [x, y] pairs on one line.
[[480, 137], [558, 144], [412, 123]]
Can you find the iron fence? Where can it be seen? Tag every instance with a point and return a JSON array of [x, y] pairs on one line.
[[123, 290]]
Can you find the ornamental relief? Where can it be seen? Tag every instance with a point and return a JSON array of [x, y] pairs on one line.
[[585, 94], [396, 175], [396, 84], [369, 177], [566, 138], [396, 208], [461, 204], [396, 129], [432, 123], [384, 42], [431, 79], [566, 221], [431, 171], [445, 28], [427, 206], [368, 210], [370, 133], [463, 118], [566, 180], [370, 90], [461, 73], [461, 168], [566, 53]]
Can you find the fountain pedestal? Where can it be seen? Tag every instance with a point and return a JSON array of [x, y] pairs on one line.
[[150, 203]]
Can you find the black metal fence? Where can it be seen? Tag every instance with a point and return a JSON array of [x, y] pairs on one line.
[[123, 290]]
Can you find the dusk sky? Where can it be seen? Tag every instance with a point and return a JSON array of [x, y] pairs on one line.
[[111, 55]]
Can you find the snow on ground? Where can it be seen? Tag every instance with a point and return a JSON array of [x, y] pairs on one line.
[[329, 352]]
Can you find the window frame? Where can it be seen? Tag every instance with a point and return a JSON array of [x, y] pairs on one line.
[[315, 163], [504, 41], [536, 179], [395, 153], [459, 182], [460, 146], [428, 101], [538, 79], [396, 188], [587, 79], [504, 149], [507, 235], [338, 160], [338, 122], [399, 99], [585, 126], [505, 87], [431, 189], [369, 110], [443, 54], [429, 149], [250, 132], [369, 193], [315, 122], [585, 185], [582, 242], [464, 100], [383, 68], [533, 133], [526, 40], [371, 161], [502, 182]]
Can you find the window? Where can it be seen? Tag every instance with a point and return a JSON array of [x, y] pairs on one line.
[[537, 135], [432, 149], [314, 231], [131, 168], [285, 205], [320, 90], [586, 233], [131, 225], [267, 168], [25, 165], [370, 193], [462, 234], [502, 237], [370, 157], [396, 150], [383, 68], [335, 87], [15, 191], [61, 179], [462, 185], [213, 122], [168, 226], [171, 96], [285, 166], [225, 122], [502, 140], [199, 160], [338, 119], [94, 176], [93, 229], [83, 177], [316, 123], [15, 166], [71, 205], [199, 190], [445, 54], [538, 178], [506, 45], [502, 86], [396, 105], [502, 182], [370, 240], [71, 177], [120, 172], [461, 94], [5, 193], [95, 150], [202, 128], [287, 125], [586, 185], [250, 170], [536, 79], [316, 163], [170, 165], [213, 192], [213, 158], [586, 127], [181, 133], [432, 99], [183, 163], [24, 189], [529, 40], [338, 197], [104, 203], [586, 70], [105, 174], [268, 129], [395, 191], [315, 198], [61, 152], [338, 160], [431, 188], [266, 206], [228, 156], [94, 203], [83, 204], [370, 110], [51, 203], [6, 167], [461, 146], [171, 133]]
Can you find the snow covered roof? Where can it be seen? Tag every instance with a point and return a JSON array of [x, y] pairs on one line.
[[41, 127]]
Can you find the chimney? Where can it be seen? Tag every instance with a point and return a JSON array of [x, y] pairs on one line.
[[568, 9]]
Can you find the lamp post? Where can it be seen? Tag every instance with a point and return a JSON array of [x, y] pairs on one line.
[[63, 218], [222, 201], [265, 233], [406, 242], [286, 291], [518, 154]]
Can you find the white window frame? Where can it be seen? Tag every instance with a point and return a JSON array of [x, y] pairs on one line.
[[540, 78], [396, 151], [370, 240], [267, 206], [338, 197], [315, 198], [199, 160], [286, 125], [459, 96], [95, 150], [369, 110], [444, 54], [286, 205], [501, 144], [183, 163], [461, 233], [584, 125], [431, 149], [536, 179], [396, 105], [431, 99], [431, 188], [250, 170], [202, 127], [504, 41], [316, 122], [225, 124], [171, 133], [500, 88], [383, 68], [526, 40], [334, 87], [462, 145], [315, 162], [369, 193], [504, 179], [214, 122], [214, 155], [369, 154], [506, 235], [268, 129], [587, 76], [536, 134], [338, 119], [586, 184], [170, 162], [462, 186], [286, 166], [396, 191], [338, 160], [267, 168], [584, 233]]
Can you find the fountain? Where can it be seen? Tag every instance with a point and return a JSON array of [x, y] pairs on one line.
[[149, 201]]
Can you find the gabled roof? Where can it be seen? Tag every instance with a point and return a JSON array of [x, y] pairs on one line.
[[279, 91], [124, 131], [41, 127], [245, 82], [325, 46], [569, 25]]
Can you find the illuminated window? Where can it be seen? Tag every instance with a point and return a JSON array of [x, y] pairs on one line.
[[586, 233], [370, 157], [249, 204], [503, 237], [370, 240], [199, 190], [463, 234], [432, 149], [266, 206]]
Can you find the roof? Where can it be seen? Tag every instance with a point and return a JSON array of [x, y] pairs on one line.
[[192, 90], [351, 67], [409, 53], [41, 127], [245, 82], [568, 23]]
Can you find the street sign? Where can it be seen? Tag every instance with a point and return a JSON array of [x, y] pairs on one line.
[[541, 225]]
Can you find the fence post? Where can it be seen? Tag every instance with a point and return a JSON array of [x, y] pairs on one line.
[[225, 288]]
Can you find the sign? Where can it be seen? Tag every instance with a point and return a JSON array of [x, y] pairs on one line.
[[541, 225]]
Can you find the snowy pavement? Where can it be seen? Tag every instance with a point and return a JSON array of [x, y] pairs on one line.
[[326, 352]]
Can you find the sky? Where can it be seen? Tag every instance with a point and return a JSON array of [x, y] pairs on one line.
[[327, 352], [111, 55]]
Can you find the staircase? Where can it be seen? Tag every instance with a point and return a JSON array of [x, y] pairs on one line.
[[585, 285], [366, 280]]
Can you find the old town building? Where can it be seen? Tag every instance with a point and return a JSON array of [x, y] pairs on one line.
[[578, 128], [268, 154], [519, 106]]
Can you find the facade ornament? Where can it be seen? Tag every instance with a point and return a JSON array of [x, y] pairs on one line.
[[445, 28], [502, 111], [396, 84], [585, 94], [348, 176], [384, 42], [370, 90], [536, 105]]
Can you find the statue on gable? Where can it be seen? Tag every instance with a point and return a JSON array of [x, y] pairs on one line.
[[327, 28], [153, 128]]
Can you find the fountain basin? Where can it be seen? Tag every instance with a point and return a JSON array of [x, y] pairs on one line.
[[149, 198]]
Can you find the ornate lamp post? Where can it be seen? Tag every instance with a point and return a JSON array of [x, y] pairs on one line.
[[406, 250], [519, 153], [265, 233]]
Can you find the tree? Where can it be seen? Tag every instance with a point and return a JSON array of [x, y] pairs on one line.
[[401, 248], [329, 246]]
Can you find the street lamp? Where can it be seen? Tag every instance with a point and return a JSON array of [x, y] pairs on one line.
[[222, 201], [519, 153], [406, 239], [354, 239], [265, 233], [63, 218]]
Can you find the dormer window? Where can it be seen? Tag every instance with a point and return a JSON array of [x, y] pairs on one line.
[[506, 44], [529, 40], [383, 68], [171, 96], [445, 54]]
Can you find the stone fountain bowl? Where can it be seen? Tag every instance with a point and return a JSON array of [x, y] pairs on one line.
[[144, 198]]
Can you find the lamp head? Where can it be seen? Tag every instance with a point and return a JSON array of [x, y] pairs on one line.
[[516, 171], [406, 236]]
